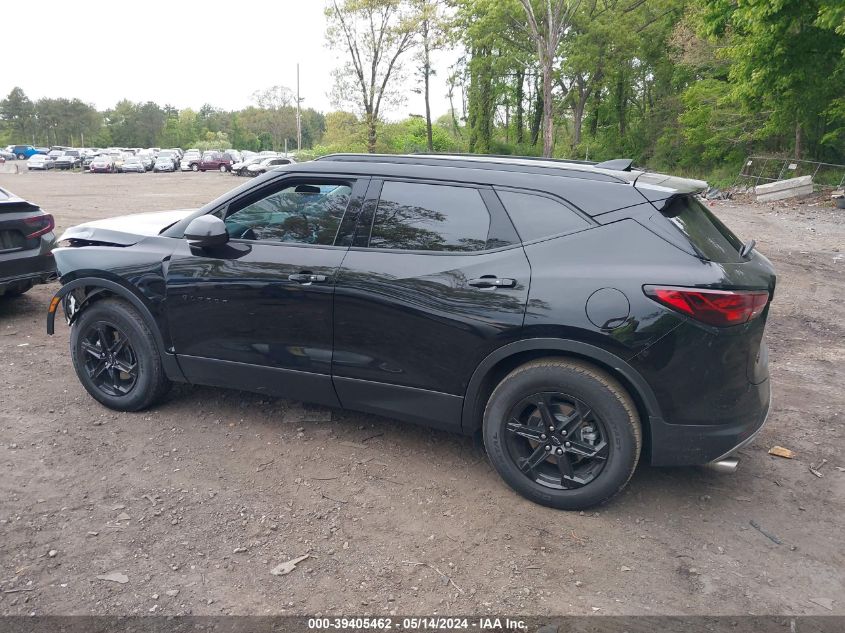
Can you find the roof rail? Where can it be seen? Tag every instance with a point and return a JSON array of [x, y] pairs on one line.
[[511, 156], [572, 169]]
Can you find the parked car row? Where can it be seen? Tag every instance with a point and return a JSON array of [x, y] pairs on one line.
[[140, 160]]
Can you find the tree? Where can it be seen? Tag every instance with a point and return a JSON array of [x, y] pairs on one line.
[[547, 31], [375, 34], [785, 57], [434, 25], [17, 111], [277, 114]]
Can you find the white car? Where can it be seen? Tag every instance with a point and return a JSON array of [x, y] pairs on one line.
[[191, 156], [39, 161], [267, 164]]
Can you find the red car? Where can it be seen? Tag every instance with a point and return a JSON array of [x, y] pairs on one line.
[[103, 164], [215, 161]]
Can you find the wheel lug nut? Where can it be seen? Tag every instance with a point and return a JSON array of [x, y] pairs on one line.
[[548, 448], [568, 444], [551, 428], [560, 451], [543, 436]]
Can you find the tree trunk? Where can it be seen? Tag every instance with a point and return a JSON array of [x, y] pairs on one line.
[[548, 123], [579, 105], [799, 140], [520, 78], [621, 105], [371, 133], [427, 72], [537, 115]]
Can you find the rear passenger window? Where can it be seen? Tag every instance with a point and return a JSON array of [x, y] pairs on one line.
[[419, 217], [539, 216]]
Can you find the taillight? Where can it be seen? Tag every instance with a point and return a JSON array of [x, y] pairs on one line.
[[40, 224], [721, 308]]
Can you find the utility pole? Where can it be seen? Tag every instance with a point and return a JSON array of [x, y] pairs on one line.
[[298, 114]]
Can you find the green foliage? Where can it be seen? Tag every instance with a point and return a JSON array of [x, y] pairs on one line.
[[409, 136], [786, 61], [71, 122]]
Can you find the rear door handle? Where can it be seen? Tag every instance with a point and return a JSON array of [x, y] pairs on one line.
[[306, 278], [492, 282]]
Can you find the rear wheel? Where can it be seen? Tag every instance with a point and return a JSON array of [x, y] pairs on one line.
[[562, 433], [116, 357], [223, 169], [21, 156], [16, 290], [195, 167]]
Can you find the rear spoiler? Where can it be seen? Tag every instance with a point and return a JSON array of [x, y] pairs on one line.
[[14, 204]]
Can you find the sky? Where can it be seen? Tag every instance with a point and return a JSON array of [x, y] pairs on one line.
[[184, 53]]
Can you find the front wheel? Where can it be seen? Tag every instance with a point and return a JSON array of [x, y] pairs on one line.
[[21, 156], [562, 433], [116, 357], [195, 167], [223, 169]]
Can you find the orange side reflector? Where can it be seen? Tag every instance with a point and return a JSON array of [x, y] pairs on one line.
[[53, 305]]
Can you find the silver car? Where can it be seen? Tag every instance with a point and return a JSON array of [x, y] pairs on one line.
[[133, 164]]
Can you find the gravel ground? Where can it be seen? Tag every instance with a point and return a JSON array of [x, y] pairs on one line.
[[196, 501]]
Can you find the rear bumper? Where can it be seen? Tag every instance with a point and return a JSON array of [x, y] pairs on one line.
[[41, 277], [693, 445]]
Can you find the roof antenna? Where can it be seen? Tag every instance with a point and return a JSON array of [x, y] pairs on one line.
[[617, 164]]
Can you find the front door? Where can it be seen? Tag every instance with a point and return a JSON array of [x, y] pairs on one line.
[[435, 280], [256, 313]]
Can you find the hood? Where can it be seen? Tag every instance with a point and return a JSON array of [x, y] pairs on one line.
[[125, 230]]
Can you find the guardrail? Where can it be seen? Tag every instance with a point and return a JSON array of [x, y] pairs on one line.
[[762, 169]]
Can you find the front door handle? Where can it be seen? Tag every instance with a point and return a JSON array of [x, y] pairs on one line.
[[490, 281], [306, 278]]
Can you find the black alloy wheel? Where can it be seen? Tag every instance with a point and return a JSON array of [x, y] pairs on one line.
[[116, 356], [109, 358], [562, 433], [557, 440]]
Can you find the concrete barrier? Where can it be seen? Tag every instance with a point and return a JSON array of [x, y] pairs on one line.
[[782, 189]]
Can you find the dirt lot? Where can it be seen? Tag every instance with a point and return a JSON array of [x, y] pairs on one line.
[[196, 500]]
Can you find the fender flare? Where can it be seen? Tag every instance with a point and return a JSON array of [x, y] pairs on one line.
[[171, 365], [470, 415]]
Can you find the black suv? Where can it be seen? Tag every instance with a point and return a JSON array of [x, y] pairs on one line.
[[579, 317]]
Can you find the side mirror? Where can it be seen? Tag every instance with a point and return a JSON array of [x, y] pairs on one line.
[[206, 231]]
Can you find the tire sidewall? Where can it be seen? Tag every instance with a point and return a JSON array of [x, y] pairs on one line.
[[117, 315], [623, 450]]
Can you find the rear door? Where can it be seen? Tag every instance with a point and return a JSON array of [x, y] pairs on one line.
[[436, 279]]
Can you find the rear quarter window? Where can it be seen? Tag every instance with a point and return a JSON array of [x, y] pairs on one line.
[[704, 231], [536, 216]]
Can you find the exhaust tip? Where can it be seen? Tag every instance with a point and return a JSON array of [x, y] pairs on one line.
[[725, 465]]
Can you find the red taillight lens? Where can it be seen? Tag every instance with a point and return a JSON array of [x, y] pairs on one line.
[[40, 225], [721, 308]]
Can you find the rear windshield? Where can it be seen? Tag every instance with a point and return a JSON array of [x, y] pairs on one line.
[[705, 232]]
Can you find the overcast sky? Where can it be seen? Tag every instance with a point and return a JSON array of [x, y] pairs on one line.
[[182, 53]]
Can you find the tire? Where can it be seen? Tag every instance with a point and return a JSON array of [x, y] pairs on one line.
[[195, 167], [223, 169], [21, 156], [143, 387], [570, 390], [17, 290]]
